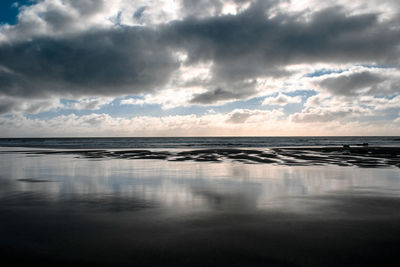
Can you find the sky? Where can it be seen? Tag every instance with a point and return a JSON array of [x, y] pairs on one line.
[[199, 68]]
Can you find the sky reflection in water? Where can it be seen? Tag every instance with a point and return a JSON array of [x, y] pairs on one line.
[[185, 186]]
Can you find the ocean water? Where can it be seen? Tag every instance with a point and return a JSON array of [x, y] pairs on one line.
[[196, 142]]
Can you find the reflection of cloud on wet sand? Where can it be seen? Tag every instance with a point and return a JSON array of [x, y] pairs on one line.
[[231, 201], [77, 202], [344, 230]]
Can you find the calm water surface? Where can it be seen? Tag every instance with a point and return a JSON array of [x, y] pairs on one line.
[[58, 209]]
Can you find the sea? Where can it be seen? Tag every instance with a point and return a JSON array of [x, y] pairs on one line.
[[196, 142]]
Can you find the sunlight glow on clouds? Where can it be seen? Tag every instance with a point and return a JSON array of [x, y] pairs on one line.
[[68, 67]]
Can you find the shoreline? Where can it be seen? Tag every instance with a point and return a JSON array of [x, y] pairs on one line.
[[361, 156]]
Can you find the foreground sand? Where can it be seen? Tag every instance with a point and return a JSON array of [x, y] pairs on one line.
[[353, 231]]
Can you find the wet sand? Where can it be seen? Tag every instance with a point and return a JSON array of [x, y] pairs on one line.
[[371, 157], [60, 210], [355, 233], [45, 235]]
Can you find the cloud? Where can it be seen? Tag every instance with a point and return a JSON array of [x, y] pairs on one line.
[[106, 125], [124, 61], [7, 105], [95, 50], [138, 59], [281, 100], [212, 8], [259, 123], [317, 115], [397, 120], [218, 95], [380, 103], [320, 100], [88, 103], [360, 80], [139, 12], [353, 84], [346, 84], [240, 116], [57, 18], [202, 8], [325, 107], [132, 101], [11, 105], [250, 44]]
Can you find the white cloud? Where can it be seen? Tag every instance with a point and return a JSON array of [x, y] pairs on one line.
[[281, 100], [92, 103], [315, 115], [105, 125], [253, 116], [387, 9], [380, 103], [258, 122], [59, 18], [132, 101]]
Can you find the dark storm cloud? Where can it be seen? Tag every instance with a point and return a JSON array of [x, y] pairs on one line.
[[7, 105], [127, 60], [250, 45], [132, 60]]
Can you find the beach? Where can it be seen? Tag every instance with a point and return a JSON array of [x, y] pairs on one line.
[[316, 206]]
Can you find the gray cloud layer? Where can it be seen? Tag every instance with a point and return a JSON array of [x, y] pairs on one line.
[[127, 60], [250, 45], [133, 60], [350, 84], [361, 83]]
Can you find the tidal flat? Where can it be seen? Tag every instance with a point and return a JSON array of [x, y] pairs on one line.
[[301, 207]]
